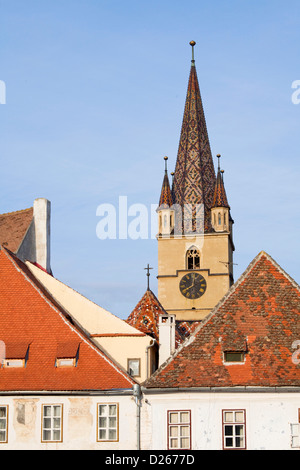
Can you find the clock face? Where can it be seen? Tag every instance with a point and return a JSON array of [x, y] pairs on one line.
[[192, 285]]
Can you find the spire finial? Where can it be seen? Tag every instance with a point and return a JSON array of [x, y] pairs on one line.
[[193, 44], [166, 165], [148, 276], [218, 157]]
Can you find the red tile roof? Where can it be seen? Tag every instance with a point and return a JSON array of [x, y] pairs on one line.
[[29, 315], [260, 315], [13, 228], [144, 316]]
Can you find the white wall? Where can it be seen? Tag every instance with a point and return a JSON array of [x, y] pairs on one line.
[[79, 422], [268, 418]]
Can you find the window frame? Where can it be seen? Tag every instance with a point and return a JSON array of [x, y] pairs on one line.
[[52, 417], [191, 254], [6, 424], [179, 425], [129, 359], [233, 424], [107, 428], [241, 353], [295, 436]]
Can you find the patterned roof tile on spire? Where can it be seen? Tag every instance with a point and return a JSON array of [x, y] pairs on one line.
[[144, 316], [220, 198], [194, 179], [165, 200]]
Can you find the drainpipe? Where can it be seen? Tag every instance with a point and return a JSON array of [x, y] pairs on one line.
[[138, 395], [152, 343]]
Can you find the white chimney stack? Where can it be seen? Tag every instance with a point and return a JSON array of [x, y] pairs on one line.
[[41, 217], [166, 328]]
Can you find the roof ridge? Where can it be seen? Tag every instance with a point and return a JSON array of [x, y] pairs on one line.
[[17, 212]]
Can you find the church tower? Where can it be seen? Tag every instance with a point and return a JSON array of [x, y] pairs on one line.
[[195, 226]]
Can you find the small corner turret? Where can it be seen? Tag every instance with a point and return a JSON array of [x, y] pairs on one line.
[[220, 211], [165, 211]]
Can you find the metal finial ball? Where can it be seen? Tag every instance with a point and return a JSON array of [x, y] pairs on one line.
[[192, 43], [165, 158]]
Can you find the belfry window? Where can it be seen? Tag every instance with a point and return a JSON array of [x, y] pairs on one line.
[[193, 258]]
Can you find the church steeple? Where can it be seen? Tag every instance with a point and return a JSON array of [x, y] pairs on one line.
[[194, 179], [195, 243]]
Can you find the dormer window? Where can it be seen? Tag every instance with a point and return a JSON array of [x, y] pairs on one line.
[[234, 348], [16, 355], [193, 258], [67, 354]]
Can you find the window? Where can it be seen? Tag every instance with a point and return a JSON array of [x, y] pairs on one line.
[[234, 356], [3, 423], [134, 367], [52, 423], [16, 355], [179, 429], [67, 354], [193, 258], [108, 422], [65, 362], [234, 429], [295, 433], [13, 362]]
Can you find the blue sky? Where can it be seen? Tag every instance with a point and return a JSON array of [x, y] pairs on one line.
[[95, 92]]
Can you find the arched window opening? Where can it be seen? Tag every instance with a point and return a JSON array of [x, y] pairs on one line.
[[219, 219], [193, 258]]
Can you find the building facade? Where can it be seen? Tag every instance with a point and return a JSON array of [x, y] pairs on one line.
[[235, 382], [208, 364]]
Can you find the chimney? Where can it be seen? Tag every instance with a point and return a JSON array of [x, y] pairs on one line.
[[166, 328], [41, 216]]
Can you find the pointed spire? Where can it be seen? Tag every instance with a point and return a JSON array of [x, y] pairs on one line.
[[220, 198], [165, 200], [194, 179]]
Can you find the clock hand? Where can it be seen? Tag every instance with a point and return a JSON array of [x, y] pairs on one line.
[[187, 288]]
